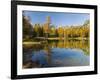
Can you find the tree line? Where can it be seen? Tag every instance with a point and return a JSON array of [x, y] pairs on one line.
[[38, 30]]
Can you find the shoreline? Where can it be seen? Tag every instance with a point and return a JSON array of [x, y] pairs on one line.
[[39, 42]]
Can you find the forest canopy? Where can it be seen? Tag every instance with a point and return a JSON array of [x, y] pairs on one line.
[[31, 31]]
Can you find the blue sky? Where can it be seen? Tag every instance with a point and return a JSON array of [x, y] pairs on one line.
[[57, 18]]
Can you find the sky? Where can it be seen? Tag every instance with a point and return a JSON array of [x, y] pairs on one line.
[[57, 18]]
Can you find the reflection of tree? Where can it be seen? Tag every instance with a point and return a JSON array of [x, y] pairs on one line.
[[82, 44], [46, 47], [28, 53], [48, 52]]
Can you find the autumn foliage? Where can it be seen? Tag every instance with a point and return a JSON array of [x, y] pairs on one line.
[[39, 30]]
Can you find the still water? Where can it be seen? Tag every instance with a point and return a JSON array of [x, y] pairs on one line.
[[56, 54]]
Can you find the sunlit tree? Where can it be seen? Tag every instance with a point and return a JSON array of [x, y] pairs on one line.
[[60, 32]]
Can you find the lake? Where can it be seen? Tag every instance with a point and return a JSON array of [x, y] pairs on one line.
[[56, 53]]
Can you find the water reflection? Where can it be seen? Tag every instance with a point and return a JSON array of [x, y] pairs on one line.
[[56, 54]]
